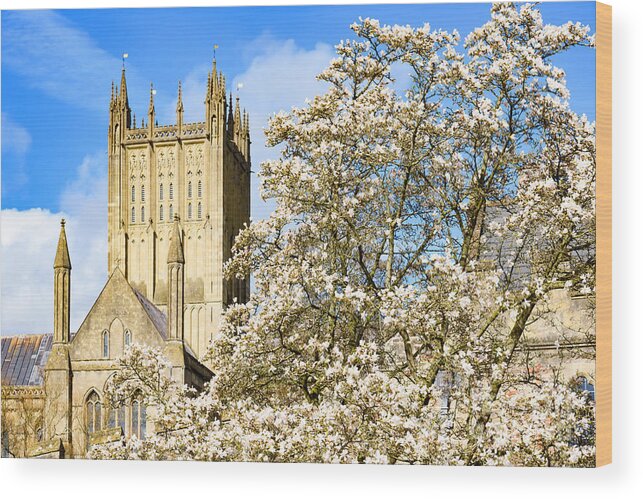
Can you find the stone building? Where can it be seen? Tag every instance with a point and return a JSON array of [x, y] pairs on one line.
[[177, 196]]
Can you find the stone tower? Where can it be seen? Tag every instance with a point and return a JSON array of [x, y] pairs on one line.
[[198, 172], [58, 373]]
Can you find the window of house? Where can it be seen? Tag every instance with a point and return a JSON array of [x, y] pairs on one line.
[[171, 191], [189, 210], [142, 213], [93, 412], [133, 215], [105, 344], [142, 194], [161, 212], [161, 192], [133, 194], [198, 211], [128, 338], [199, 190], [171, 212], [190, 189]]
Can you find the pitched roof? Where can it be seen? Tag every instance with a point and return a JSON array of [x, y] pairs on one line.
[[24, 358], [156, 316]]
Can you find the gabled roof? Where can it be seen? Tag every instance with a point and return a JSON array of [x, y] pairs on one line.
[[157, 317], [24, 358]]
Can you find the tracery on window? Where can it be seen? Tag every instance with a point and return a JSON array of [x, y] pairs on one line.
[[93, 408]]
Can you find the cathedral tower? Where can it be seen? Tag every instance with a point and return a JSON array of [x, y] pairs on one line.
[[199, 172]]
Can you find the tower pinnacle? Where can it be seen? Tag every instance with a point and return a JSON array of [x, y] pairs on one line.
[[175, 251], [62, 259]]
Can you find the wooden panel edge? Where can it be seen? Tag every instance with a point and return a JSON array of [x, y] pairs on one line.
[[603, 234]]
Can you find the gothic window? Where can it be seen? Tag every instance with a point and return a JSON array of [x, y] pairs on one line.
[[171, 212], [142, 213], [133, 194], [189, 210], [199, 189], [171, 191], [198, 211], [133, 215], [128, 338], [105, 339], [190, 189], [138, 418], [142, 194], [93, 412], [161, 212], [117, 417], [161, 192]]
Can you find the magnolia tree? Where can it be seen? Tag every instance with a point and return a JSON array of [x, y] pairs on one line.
[[417, 232]]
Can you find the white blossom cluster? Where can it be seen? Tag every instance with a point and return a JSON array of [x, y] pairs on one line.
[[416, 231]]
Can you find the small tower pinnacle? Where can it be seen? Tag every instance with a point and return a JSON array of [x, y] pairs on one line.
[[179, 102], [124, 101], [62, 259], [175, 251], [150, 109]]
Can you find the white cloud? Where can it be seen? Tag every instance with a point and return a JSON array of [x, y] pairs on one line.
[[28, 241], [15, 138], [16, 141], [280, 76], [57, 58]]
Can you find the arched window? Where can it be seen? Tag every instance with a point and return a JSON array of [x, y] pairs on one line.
[[171, 191], [198, 211], [117, 417], [161, 192], [161, 212], [190, 210], [199, 190], [142, 213], [190, 189], [105, 340], [133, 215], [171, 212], [93, 412], [133, 194], [127, 341], [142, 194], [138, 418]]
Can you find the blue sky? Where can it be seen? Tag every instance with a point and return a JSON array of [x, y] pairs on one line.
[[57, 68]]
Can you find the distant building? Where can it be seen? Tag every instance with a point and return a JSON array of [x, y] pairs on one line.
[[178, 195]]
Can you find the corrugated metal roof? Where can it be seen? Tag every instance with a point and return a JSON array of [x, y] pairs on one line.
[[24, 358]]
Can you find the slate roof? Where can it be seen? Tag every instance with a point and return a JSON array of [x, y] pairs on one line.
[[156, 316], [24, 358]]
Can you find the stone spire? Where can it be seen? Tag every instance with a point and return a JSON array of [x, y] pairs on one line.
[[179, 101], [179, 109], [123, 97], [230, 117], [175, 284], [62, 288], [150, 109], [175, 251], [62, 252], [237, 122]]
